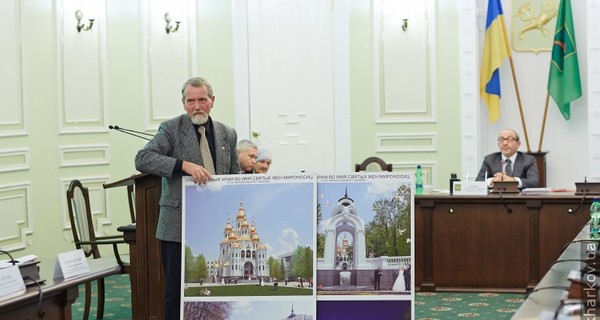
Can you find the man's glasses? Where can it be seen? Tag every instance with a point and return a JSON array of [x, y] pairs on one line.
[[509, 139]]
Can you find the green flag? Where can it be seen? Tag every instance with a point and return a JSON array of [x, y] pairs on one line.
[[564, 84]]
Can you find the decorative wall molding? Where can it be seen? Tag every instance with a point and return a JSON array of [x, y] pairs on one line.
[[18, 225], [14, 159], [13, 107], [469, 82], [82, 78], [406, 142], [404, 65], [99, 200], [167, 58], [84, 155], [341, 81]]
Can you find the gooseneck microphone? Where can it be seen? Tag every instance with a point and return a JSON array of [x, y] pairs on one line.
[[134, 133]]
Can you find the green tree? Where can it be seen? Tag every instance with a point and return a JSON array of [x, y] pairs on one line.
[[302, 262], [275, 271], [202, 269], [388, 232], [320, 236], [191, 268]]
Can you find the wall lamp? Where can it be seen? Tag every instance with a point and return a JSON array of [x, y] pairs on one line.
[[81, 26], [404, 24], [170, 28]]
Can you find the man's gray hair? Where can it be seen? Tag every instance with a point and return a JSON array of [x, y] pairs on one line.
[[245, 144], [197, 82]]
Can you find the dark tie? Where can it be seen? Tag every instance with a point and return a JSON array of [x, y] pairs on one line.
[[508, 169], [205, 151]]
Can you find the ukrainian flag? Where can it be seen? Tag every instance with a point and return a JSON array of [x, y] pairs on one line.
[[495, 50]]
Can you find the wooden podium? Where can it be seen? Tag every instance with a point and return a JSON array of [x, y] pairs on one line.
[[147, 283]]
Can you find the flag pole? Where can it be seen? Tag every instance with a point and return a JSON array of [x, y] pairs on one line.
[[544, 122], [512, 68], [520, 105]]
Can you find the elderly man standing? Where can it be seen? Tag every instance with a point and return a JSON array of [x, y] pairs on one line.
[[190, 144]]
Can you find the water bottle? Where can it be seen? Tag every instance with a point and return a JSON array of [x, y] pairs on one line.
[[595, 219], [419, 181]]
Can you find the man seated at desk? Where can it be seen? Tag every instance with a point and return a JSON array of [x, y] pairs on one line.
[[509, 164]]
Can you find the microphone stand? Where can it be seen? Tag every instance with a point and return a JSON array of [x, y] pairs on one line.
[[134, 133], [509, 210], [12, 260]]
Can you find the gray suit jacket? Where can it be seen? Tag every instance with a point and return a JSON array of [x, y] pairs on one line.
[[176, 139], [525, 167]]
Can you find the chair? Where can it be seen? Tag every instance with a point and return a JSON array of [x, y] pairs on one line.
[[131, 201], [84, 236], [371, 162]]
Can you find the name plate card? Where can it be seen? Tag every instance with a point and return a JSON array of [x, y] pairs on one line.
[[11, 282], [470, 188], [71, 264]]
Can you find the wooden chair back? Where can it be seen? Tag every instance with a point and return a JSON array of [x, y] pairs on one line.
[[131, 201], [80, 216], [373, 164]]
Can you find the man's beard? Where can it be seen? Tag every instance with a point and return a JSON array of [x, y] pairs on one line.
[[199, 118]]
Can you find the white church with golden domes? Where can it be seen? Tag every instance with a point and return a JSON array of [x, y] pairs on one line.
[[241, 254]]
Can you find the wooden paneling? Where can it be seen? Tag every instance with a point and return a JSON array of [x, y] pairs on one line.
[[476, 243]]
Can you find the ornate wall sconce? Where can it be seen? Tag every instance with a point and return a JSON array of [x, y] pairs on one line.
[[404, 24], [81, 26], [170, 28]]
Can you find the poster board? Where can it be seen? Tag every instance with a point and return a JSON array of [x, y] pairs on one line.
[[250, 246]]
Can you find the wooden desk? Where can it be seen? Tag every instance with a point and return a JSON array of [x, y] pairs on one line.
[[473, 243], [57, 294]]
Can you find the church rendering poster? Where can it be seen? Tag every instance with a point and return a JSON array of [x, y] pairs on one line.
[[248, 247], [298, 247], [364, 245]]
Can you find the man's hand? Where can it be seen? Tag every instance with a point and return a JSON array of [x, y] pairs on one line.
[[198, 172], [501, 176]]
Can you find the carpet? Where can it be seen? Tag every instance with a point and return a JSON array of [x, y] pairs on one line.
[[428, 305], [453, 305], [117, 299]]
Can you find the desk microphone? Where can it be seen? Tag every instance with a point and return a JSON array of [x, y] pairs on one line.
[[578, 308], [578, 240], [134, 133], [546, 288], [584, 192]]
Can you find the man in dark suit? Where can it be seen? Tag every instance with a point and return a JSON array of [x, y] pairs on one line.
[[406, 276], [175, 151], [377, 279], [509, 164]]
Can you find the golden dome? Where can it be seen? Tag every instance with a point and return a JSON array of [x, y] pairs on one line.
[[244, 224], [241, 214], [255, 237], [228, 226], [232, 236]]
